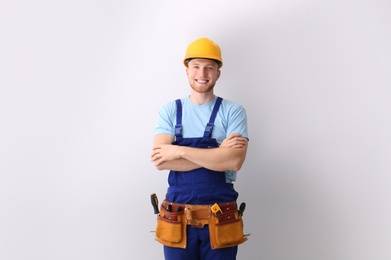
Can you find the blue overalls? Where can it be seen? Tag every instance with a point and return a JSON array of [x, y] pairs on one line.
[[199, 187]]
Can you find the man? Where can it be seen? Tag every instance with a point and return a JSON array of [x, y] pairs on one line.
[[202, 139]]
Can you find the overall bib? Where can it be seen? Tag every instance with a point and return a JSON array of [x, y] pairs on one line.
[[199, 187]]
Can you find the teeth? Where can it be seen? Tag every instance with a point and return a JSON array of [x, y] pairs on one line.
[[202, 81]]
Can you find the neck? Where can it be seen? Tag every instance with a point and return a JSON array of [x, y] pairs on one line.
[[201, 98]]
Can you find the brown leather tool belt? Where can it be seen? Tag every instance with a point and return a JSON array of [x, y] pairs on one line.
[[197, 215]]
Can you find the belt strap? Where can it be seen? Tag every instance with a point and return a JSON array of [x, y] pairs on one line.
[[197, 215]]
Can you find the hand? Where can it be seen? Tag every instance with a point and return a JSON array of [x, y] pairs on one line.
[[234, 141], [165, 152]]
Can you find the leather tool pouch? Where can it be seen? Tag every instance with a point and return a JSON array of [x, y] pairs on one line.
[[226, 229], [171, 228]]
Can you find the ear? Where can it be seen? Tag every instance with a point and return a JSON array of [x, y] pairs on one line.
[[218, 73]]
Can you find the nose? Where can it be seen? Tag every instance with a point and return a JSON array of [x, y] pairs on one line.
[[204, 72]]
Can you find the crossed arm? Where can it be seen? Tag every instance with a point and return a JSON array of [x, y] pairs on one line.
[[230, 155]]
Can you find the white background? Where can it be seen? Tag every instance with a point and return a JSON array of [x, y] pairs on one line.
[[81, 85]]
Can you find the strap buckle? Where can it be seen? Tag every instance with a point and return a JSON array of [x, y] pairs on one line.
[[208, 129]]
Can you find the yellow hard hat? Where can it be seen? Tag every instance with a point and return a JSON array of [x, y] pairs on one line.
[[203, 48]]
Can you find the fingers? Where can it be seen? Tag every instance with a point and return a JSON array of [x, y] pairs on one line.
[[239, 142], [237, 138], [234, 142], [155, 155], [157, 163], [231, 136]]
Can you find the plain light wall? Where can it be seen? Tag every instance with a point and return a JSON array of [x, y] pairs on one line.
[[81, 85]]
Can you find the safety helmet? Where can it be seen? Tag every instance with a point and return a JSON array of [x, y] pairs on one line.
[[203, 48]]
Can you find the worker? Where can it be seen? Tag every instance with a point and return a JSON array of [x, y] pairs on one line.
[[202, 140]]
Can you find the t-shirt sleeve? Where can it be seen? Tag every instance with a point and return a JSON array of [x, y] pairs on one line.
[[237, 122], [165, 120]]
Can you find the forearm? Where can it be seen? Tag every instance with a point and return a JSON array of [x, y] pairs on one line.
[[217, 159], [178, 165], [228, 157]]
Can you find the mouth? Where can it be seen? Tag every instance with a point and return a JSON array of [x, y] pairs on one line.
[[202, 81]]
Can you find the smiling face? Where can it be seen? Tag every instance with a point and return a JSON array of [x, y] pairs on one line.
[[202, 75]]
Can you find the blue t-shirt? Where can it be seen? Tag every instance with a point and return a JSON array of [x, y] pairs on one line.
[[231, 118]]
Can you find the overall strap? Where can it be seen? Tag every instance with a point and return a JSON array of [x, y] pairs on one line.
[[178, 126], [209, 126]]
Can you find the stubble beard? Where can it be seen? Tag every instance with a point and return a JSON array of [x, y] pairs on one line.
[[201, 90]]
